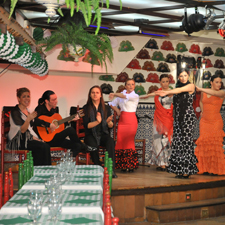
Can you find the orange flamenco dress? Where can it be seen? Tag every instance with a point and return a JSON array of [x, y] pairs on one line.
[[209, 150]]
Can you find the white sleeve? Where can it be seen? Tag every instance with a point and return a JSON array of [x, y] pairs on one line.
[[114, 102]]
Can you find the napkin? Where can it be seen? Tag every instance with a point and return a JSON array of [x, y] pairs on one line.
[[81, 201], [37, 181], [15, 220], [83, 194], [85, 176], [19, 201], [85, 168], [79, 220], [43, 176], [83, 181]]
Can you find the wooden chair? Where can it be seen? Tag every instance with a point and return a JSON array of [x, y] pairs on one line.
[[22, 154], [139, 143]]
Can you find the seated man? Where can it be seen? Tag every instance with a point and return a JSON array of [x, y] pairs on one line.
[[47, 107]]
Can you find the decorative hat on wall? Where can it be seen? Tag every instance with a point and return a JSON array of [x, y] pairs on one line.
[[106, 77], [125, 46], [122, 77], [152, 88], [88, 58], [195, 49], [206, 75], [220, 52], [207, 51], [152, 44], [139, 78], [208, 63], [139, 90], [171, 80], [134, 64], [163, 67], [149, 66], [181, 47], [106, 88], [143, 54], [120, 89], [65, 56], [171, 58], [167, 45], [158, 56], [206, 84], [219, 64], [153, 78], [220, 72]]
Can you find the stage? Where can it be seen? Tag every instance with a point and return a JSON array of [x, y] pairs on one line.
[[156, 196]]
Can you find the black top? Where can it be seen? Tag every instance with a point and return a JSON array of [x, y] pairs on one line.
[[87, 120]]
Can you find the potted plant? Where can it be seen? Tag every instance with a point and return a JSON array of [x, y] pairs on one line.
[[85, 6], [74, 35]]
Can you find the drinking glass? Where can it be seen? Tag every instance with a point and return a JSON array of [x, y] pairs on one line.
[[34, 207], [55, 207]]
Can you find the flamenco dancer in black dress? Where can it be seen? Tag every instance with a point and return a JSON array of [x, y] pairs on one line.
[[182, 161]]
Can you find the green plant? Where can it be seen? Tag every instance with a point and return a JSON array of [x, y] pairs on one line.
[[85, 6], [99, 45]]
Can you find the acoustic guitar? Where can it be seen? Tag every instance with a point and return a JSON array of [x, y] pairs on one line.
[[45, 132]]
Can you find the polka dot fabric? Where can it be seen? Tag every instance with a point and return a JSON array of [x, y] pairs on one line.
[[183, 159]]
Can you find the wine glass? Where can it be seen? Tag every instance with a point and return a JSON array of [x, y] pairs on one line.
[[55, 207], [34, 207]]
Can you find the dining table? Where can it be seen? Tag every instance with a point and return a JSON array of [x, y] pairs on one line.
[[82, 198]]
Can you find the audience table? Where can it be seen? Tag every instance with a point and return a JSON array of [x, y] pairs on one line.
[[82, 198]]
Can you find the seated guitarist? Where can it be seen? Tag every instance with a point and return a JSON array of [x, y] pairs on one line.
[[47, 107]]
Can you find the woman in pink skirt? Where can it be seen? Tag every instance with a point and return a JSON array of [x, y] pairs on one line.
[[127, 101]]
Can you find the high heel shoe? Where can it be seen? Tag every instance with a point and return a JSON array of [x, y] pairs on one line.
[[179, 176], [186, 176]]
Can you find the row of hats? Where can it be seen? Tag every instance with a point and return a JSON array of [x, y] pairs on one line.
[[21, 55], [171, 58], [181, 47], [139, 89], [138, 77]]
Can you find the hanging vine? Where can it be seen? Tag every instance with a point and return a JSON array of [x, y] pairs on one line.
[[85, 6]]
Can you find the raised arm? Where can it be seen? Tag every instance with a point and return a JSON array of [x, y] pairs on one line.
[[187, 88], [147, 96], [112, 95], [209, 91]]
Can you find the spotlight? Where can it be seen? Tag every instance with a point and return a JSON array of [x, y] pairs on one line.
[[183, 63], [203, 64], [193, 23]]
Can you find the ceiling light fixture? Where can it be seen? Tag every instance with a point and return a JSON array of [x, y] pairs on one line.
[[51, 5]]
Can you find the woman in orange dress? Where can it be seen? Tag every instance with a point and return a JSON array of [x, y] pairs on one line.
[[209, 150]]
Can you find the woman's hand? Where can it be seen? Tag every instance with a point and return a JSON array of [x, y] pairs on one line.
[[99, 117], [109, 119], [32, 115], [111, 96], [198, 88], [75, 118]]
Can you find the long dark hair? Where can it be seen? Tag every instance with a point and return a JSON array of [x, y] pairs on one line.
[[90, 102], [20, 91], [217, 76], [45, 96]]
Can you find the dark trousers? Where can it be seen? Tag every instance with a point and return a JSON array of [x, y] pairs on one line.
[[40, 152], [105, 141], [72, 143]]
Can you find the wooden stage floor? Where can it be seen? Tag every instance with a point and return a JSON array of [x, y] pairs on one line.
[[149, 180]]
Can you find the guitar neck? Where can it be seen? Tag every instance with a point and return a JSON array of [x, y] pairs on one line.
[[66, 119]]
